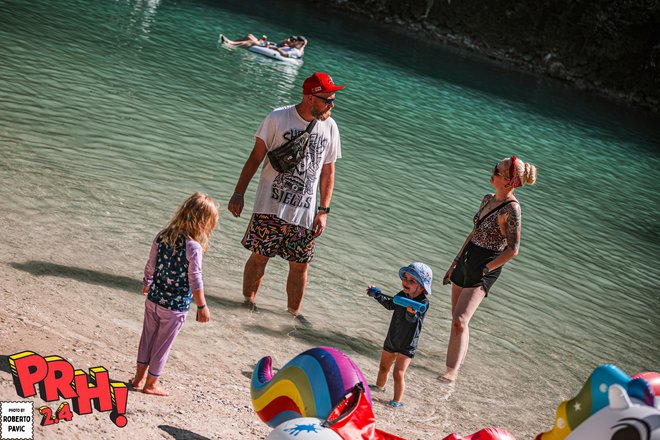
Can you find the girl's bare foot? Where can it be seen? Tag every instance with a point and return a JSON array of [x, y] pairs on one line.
[[138, 384], [156, 390], [140, 378], [153, 387]]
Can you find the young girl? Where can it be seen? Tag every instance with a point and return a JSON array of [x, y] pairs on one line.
[[172, 279], [406, 325]]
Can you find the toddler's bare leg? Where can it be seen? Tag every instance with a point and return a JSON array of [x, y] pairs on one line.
[[386, 361]]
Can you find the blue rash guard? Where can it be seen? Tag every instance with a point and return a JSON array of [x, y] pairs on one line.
[[405, 327]]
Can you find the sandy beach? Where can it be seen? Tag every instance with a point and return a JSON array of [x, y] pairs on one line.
[[92, 317], [91, 325]]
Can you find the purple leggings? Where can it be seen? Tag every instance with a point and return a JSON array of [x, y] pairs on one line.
[[161, 325]]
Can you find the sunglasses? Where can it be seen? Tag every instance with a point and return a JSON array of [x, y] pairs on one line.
[[496, 172], [328, 101]]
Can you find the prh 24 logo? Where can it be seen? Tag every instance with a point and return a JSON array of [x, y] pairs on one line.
[[57, 379]]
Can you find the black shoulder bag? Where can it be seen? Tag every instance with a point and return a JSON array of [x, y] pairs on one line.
[[287, 156]]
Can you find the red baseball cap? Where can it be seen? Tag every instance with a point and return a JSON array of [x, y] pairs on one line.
[[320, 82]]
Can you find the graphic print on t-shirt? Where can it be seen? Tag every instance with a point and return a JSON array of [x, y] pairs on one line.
[[296, 187]]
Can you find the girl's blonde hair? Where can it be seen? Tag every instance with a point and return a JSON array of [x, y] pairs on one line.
[[196, 218], [526, 171]]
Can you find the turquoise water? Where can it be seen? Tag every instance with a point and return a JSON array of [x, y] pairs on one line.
[[113, 111]]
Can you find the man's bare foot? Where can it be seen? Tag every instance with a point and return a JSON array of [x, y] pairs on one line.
[[450, 375], [300, 319], [251, 306], [156, 390]]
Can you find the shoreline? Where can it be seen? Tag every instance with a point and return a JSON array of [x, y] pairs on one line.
[[549, 67]]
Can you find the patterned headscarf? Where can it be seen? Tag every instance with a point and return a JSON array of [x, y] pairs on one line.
[[514, 176]]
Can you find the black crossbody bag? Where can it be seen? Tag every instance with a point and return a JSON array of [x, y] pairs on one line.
[[497, 208], [286, 157]]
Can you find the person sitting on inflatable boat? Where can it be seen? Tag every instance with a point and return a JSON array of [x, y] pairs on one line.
[[294, 47], [286, 42]]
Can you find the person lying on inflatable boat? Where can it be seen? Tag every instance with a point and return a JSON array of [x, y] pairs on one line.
[[292, 47]]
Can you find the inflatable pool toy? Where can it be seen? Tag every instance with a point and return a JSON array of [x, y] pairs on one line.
[[303, 428], [610, 405], [352, 419], [654, 380], [309, 399], [273, 54], [407, 302], [265, 51], [484, 434], [310, 385]]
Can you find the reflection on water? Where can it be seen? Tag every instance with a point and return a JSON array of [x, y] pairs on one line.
[[144, 14], [279, 78]]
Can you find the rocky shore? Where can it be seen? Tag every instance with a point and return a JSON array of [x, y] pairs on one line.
[[610, 49]]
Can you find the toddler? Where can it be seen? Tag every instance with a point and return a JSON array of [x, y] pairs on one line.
[[406, 325]]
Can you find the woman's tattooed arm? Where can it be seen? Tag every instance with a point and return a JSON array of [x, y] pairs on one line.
[[513, 226]]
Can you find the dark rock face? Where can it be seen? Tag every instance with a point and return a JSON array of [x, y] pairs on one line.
[[610, 47]]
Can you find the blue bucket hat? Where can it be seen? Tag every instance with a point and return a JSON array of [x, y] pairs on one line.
[[421, 272]]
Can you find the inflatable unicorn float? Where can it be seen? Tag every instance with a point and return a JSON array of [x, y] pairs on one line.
[[321, 394], [610, 406]]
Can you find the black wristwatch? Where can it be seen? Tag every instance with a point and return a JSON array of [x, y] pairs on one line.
[[324, 209]]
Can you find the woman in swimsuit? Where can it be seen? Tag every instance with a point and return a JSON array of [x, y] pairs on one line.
[[494, 240]]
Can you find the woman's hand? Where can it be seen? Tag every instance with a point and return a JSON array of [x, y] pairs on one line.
[[445, 279]]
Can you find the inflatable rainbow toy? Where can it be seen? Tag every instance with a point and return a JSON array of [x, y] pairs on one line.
[[605, 405], [310, 385]]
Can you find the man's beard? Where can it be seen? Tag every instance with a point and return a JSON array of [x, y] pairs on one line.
[[321, 116]]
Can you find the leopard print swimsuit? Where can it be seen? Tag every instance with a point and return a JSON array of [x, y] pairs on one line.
[[488, 234]]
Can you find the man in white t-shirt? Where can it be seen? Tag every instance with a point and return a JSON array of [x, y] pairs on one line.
[[285, 219]]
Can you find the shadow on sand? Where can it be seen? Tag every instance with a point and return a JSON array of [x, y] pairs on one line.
[[181, 434], [45, 268], [313, 337], [4, 363], [329, 338]]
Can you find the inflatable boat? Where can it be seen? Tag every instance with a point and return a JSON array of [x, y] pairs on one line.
[[274, 54], [265, 51]]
